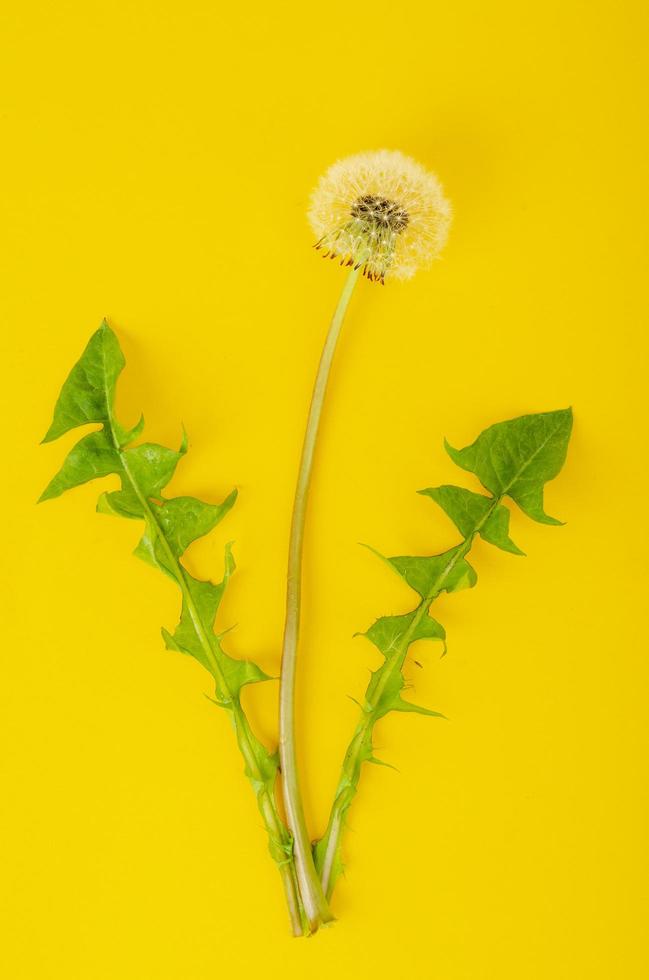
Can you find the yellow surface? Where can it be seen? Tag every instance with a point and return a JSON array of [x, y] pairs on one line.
[[157, 164]]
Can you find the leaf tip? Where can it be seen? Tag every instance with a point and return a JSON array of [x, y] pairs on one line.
[[373, 550], [49, 493], [449, 448], [550, 521], [105, 328], [229, 501], [51, 434], [168, 640], [230, 563], [184, 442]]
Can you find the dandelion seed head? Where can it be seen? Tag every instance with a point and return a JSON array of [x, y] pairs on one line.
[[382, 211]]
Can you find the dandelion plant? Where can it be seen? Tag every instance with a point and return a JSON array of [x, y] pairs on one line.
[[171, 524], [380, 214], [512, 460]]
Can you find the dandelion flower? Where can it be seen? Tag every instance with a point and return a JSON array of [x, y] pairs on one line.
[[382, 211]]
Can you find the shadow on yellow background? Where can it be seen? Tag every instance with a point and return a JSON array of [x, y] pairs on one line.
[[157, 169]]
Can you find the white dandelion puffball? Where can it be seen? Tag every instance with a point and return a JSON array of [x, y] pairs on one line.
[[382, 211]]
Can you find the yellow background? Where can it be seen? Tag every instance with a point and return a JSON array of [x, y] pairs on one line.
[[157, 165]]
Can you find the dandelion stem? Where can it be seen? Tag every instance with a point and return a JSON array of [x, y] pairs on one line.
[[315, 903]]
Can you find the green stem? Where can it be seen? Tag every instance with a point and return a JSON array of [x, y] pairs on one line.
[[328, 849], [315, 903], [280, 844]]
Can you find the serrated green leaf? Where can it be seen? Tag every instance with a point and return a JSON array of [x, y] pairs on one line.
[[201, 603], [93, 457], [384, 694], [196, 617], [151, 467], [471, 512], [513, 458], [388, 631], [119, 503], [238, 673], [429, 574], [89, 391], [517, 458], [184, 519], [152, 549], [170, 526]]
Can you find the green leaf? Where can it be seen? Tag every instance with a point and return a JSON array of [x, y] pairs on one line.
[[386, 633], [151, 467], [518, 457], [513, 458], [470, 512], [200, 605], [384, 695], [238, 673], [93, 456], [153, 549], [430, 575], [197, 615], [120, 503], [184, 519], [170, 526], [89, 392]]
